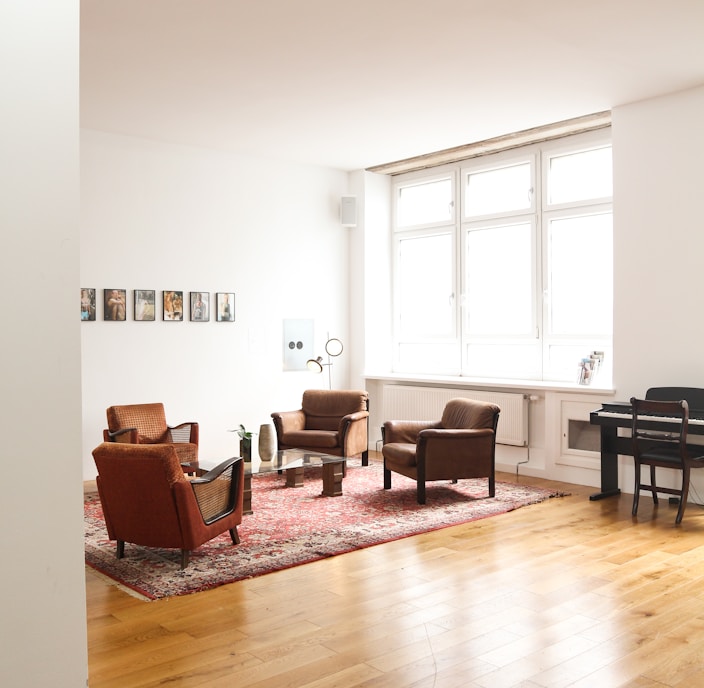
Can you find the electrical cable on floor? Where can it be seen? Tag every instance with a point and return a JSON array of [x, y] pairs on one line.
[[432, 654], [530, 398]]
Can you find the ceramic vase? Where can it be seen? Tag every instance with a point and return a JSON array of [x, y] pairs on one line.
[[267, 442]]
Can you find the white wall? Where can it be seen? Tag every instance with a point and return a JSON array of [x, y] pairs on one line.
[[42, 579], [659, 242], [163, 217]]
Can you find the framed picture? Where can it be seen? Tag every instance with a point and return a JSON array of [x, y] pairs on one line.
[[225, 307], [200, 306], [87, 304], [144, 304], [173, 305], [115, 303]]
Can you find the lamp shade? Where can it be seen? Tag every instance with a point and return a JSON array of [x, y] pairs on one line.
[[315, 365]]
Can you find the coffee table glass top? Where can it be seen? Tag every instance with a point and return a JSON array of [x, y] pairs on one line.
[[290, 458]]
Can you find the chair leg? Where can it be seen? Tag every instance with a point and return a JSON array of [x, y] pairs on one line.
[[421, 491], [653, 485], [420, 480], [120, 552], [492, 485], [184, 558], [365, 458], [683, 496], [387, 478], [235, 536], [636, 490]]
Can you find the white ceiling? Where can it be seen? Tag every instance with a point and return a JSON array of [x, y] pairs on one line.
[[364, 82]]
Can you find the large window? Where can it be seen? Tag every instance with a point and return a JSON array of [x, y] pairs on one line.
[[503, 264]]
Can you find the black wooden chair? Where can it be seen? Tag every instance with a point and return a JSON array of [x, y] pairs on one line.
[[659, 435]]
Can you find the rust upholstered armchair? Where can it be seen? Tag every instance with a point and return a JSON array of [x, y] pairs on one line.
[[461, 445], [148, 501], [329, 421], [146, 424]]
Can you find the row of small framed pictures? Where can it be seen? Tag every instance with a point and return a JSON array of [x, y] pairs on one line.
[[115, 305]]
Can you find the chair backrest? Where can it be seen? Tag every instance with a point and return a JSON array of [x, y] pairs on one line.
[[470, 414], [323, 408], [149, 419], [671, 434], [135, 483]]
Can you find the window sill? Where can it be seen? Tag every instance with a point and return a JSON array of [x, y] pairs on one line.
[[598, 387]]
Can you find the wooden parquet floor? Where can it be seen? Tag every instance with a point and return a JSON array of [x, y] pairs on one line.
[[564, 593]]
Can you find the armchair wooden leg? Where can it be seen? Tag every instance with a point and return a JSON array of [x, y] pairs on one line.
[[387, 478], [184, 558], [492, 486], [235, 536], [120, 552], [365, 458], [420, 480]]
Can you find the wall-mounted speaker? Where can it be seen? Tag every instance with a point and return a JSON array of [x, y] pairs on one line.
[[348, 211]]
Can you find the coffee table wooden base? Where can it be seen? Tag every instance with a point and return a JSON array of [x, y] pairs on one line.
[[333, 473], [332, 478]]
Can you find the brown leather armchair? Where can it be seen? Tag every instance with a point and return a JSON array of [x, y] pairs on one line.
[[146, 424], [148, 501], [460, 445], [329, 421]]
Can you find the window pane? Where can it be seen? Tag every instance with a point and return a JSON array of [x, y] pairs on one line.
[[580, 176], [520, 360], [498, 191], [439, 358], [425, 203], [581, 275], [499, 280], [425, 287]]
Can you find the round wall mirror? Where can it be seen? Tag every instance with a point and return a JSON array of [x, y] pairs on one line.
[[333, 347]]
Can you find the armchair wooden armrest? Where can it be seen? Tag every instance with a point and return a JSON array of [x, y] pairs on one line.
[[184, 432], [216, 491], [125, 435]]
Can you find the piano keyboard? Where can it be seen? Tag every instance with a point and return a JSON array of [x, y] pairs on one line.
[[661, 419]]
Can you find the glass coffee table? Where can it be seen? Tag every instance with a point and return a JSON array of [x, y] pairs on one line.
[[294, 462]]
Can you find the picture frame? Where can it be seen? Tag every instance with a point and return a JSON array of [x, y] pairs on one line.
[[87, 304], [144, 304], [200, 306], [115, 304], [173, 305], [225, 306]]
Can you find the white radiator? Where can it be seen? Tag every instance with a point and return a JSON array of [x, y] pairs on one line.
[[407, 402]]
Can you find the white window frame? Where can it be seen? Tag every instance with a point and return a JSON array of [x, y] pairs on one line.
[[538, 215]]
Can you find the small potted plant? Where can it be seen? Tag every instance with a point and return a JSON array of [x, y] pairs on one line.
[[245, 442]]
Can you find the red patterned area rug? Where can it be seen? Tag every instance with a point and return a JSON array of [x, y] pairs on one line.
[[292, 526]]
